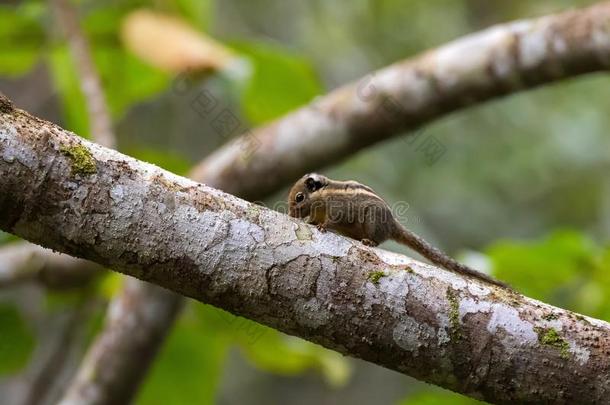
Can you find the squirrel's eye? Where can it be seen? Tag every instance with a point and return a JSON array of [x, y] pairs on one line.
[[299, 197]]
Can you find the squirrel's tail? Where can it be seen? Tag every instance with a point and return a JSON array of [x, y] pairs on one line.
[[436, 256]]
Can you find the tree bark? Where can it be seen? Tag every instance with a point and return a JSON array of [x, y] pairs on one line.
[[88, 201]]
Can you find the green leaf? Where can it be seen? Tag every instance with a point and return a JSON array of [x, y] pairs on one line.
[[7, 238], [199, 12], [281, 81], [16, 340], [110, 284], [21, 37], [234, 328], [189, 366], [102, 24], [273, 351], [282, 354], [126, 79], [437, 397]]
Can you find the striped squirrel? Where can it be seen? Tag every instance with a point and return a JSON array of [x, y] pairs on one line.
[[355, 210]]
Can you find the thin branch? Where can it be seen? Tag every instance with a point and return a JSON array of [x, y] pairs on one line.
[[97, 108], [89, 201], [24, 262], [44, 379]]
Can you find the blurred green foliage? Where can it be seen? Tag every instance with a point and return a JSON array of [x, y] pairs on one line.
[[273, 351], [438, 397], [167, 159], [514, 171], [66, 82], [16, 339], [566, 269], [281, 81], [7, 237], [191, 363], [21, 37], [189, 366]]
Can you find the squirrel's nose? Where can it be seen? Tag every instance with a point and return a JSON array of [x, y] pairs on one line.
[[294, 212]]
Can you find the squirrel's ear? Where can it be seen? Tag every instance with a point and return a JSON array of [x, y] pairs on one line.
[[313, 184], [310, 183]]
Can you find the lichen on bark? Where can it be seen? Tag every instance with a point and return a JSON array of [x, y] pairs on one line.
[[81, 160], [454, 315], [550, 337], [376, 276]]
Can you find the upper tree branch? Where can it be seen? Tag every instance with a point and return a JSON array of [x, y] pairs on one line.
[[498, 61], [85, 200]]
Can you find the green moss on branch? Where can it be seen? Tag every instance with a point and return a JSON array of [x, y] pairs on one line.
[[454, 315], [550, 337], [81, 159], [375, 276]]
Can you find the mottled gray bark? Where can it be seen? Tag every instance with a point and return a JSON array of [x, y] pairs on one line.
[[82, 199], [500, 60]]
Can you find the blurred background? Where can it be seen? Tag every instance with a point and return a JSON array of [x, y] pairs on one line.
[[521, 188]]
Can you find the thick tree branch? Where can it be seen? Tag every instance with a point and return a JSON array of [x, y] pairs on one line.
[[82, 199], [410, 94], [500, 60]]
